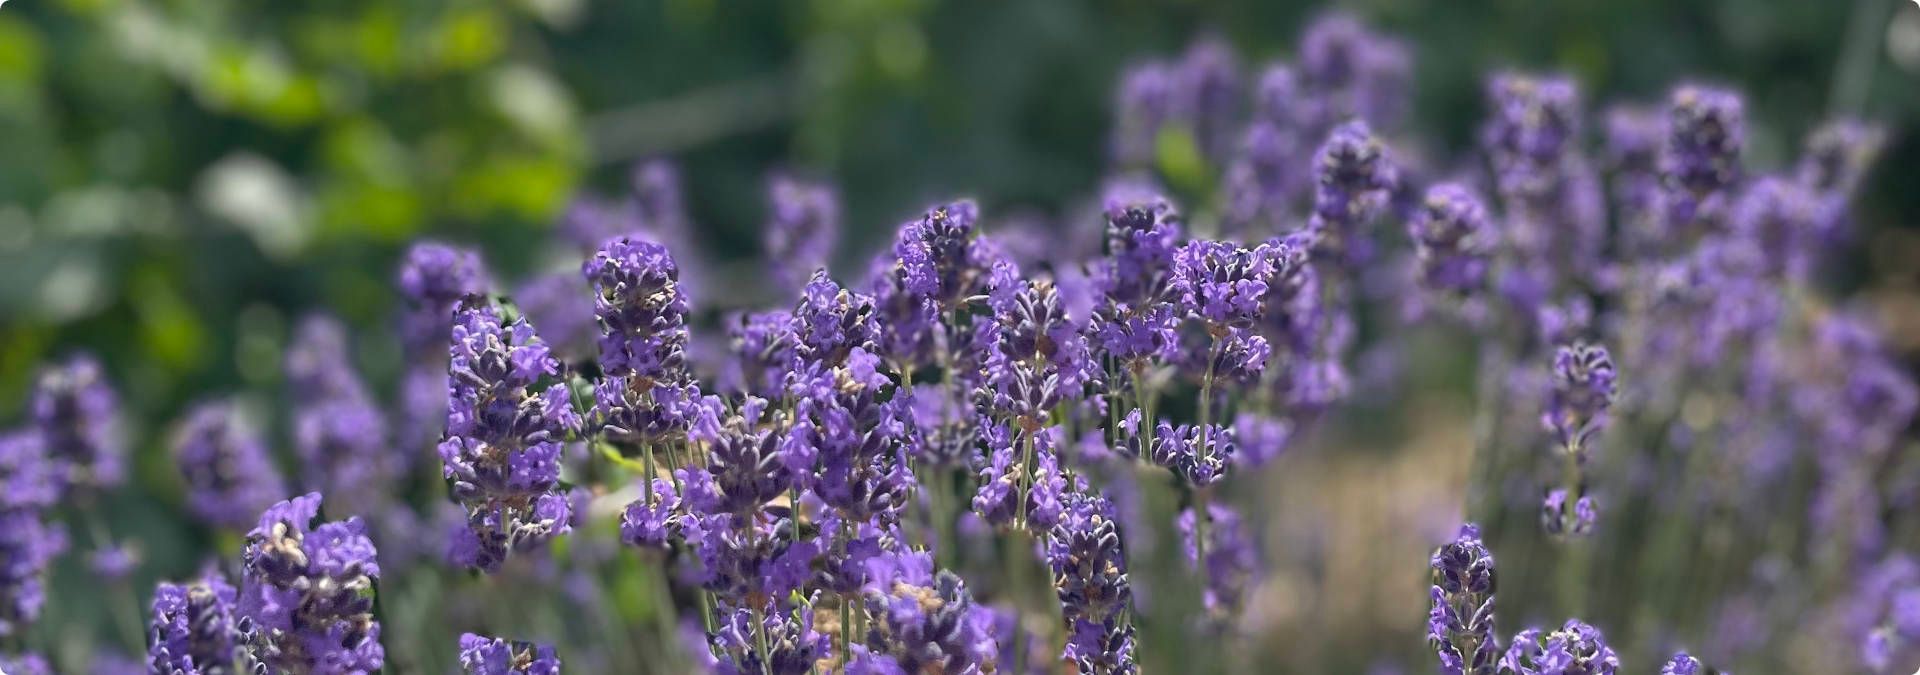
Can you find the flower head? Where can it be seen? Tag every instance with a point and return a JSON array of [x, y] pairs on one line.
[[228, 473], [192, 628], [482, 655], [77, 414], [1575, 649], [306, 597], [801, 229]]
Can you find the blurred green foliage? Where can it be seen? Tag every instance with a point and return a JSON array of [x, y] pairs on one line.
[[181, 178]]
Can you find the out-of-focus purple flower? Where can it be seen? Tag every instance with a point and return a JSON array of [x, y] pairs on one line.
[[802, 227], [228, 473], [1556, 220], [760, 353], [433, 278], [1142, 232], [1583, 388], [192, 627], [560, 305], [482, 655], [340, 433], [1700, 161], [25, 664], [1350, 72], [77, 414], [1208, 78], [1780, 218], [1460, 626], [651, 523], [1681, 664], [1559, 517], [926, 622], [1354, 177], [504, 436], [1453, 238], [1261, 439], [1145, 103], [1232, 560], [1575, 649], [1634, 137], [113, 562], [306, 595], [27, 546]]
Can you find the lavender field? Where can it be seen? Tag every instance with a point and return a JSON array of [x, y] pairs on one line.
[[411, 339]]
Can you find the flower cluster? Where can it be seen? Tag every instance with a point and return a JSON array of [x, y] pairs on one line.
[[1575, 649], [306, 594], [27, 542], [1460, 626], [228, 473], [505, 428], [192, 627], [76, 413], [481, 655]]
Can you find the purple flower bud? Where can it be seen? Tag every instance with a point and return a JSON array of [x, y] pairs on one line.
[[481, 655], [935, 254], [1681, 664], [1232, 560], [761, 347], [791, 645], [1560, 518], [1355, 176], [1222, 283], [433, 278], [1088, 561], [641, 308]]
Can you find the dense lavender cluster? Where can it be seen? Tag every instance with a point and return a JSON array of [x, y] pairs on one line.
[[991, 455]]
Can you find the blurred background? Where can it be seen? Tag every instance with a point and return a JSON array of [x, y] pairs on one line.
[[181, 179]]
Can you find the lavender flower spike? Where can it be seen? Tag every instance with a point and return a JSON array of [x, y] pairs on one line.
[[27, 543], [481, 655], [306, 597], [926, 622], [504, 435], [1453, 240], [76, 413], [1583, 389], [1460, 626], [1700, 163], [1355, 176], [801, 230], [1575, 649], [192, 629], [228, 473]]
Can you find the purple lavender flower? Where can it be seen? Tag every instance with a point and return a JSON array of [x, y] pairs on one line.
[[113, 562], [1261, 439], [1223, 283], [339, 433], [25, 664], [792, 646], [481, 655], [1575, 649], [1232, 561], [849, 438], [935, 254], [1781, 220], [1102, 647], [1460, 626], [1208, 81], [760, 347], [1262, 181], [1199, 455], [1559, 517], [1142, 231], [504, 435], [228, 473], [27, 543], [1089, 563], [801, 229], [926, 622], [1583, 390], [1145, 103], [192, 628], [652, 523], [77, 414], [1016, 492], [1037, 357], [306, 595], [1453, 238], [641, 309], [1552, 197], [1353, 72], [830, 322], [744, 462], [433, 278], [1355, 176], [1681, 664], [1700, 161]]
